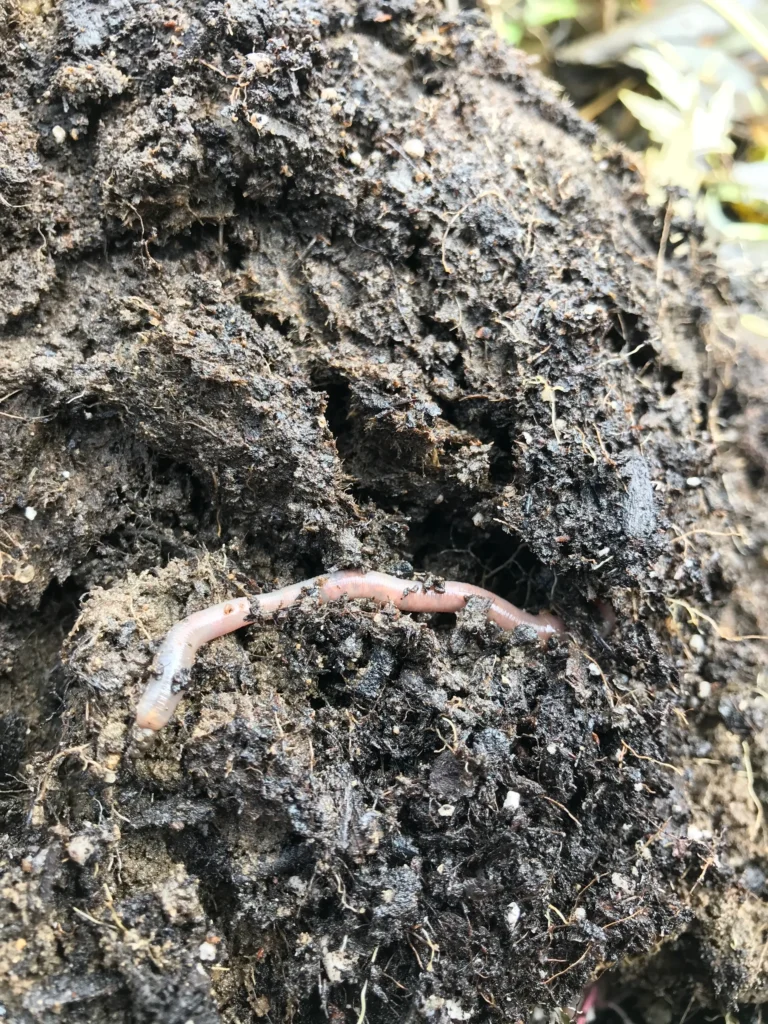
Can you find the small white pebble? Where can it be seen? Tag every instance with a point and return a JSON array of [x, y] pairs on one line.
[[414, 148], [694, 481], [58, 133], [621, 882], [30, 513], [511, 801], [80, 848], [603, 552], [638, 787], [593, 669], [261, 63], [354, 158], [513, 916], [65, 474], [207, 951], [698, 835], [696, 643], [551, 748], [478, 519], [705, 688], [579, 914], [446, 810]]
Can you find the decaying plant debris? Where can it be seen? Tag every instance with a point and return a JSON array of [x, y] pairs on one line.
[[291, 287]]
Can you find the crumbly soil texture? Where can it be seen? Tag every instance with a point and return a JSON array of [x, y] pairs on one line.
[[292, 287]]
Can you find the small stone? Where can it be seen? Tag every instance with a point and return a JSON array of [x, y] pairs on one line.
[[705, 689], [414, 148], [658, 1013], [446, 810], [696, 643], [593, 669], [753, 878], [354, 158], [551, 748], [80, 848], [513, 915], [207, 952], [511, 801], [261, 63], [65, 474], [698, 835], [30, 513], [694, 481], [59, 135], [579, 914]]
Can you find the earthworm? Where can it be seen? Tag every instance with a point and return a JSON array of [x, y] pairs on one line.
[[170, 672]]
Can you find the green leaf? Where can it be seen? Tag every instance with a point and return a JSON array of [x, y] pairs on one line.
[[659, 118], [512, 31], [543, 12], [744, 232], [677, 88]]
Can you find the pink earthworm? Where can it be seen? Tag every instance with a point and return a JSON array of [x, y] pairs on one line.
[[171, 668]]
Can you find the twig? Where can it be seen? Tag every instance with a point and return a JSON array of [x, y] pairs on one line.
[[744, 22], [612, 924], [562, 808], [664, 240], [643, 757], [363, 1002], [759, 815], [548, 981], [696, 614], [93, 920]]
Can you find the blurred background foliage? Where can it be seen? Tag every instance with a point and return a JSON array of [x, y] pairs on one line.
[[683, 83]]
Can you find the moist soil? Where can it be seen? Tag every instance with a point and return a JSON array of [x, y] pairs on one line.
[[292, 287]]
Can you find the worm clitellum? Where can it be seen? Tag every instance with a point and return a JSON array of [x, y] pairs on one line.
[[173, 662]]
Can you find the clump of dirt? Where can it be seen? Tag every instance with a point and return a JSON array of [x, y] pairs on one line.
[[291, 288]]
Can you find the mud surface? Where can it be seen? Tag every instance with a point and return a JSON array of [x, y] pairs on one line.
[[295, 287]]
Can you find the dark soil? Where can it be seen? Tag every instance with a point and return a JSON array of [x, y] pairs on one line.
[[250, 334]]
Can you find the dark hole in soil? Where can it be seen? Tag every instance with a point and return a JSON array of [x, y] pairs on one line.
[[670, 377], [755, 473], [730, 404], [641, 355], [264, 319], [488, 558], [625, 334], [333, 687]]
